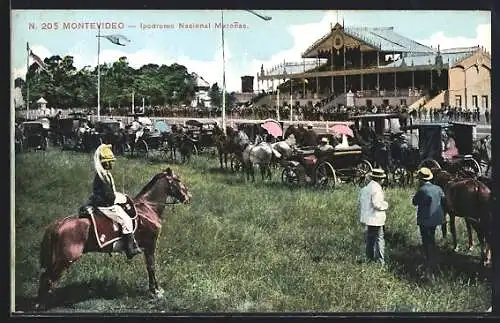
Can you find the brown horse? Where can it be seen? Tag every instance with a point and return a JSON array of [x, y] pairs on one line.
[[67, 239], [224, 145], [469, 198]]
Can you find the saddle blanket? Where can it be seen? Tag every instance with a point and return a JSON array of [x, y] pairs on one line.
[[106, 230]]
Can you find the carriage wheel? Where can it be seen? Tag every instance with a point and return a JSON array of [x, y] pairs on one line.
[[471, 165], [290, 176], [324, 176], [237, 166], [400, 176], [126, 148], [141, 149], [362, 171], [429, 163]]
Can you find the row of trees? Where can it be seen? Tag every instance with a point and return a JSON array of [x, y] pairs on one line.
[[64, 86]]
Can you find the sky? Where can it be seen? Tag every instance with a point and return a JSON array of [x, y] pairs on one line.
[[260, 42]]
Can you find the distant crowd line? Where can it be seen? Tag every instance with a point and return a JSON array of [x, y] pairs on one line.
[[299, 113]]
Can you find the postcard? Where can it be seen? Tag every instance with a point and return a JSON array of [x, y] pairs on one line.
[[242, 161]]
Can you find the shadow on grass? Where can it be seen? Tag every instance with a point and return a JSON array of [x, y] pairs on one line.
[[408, 263], [74, 293], [218, 170]]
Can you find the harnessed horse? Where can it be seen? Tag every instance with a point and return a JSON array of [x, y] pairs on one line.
[[471, 199], [224, 144], [260, 154], [67, 239]]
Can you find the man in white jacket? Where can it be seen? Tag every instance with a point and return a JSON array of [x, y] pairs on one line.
[[372, 207]]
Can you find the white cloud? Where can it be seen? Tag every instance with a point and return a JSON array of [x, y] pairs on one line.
[[303, 36], [482, 38]]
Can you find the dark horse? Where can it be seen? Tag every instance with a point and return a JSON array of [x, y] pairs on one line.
[[67, 239], [482, 153], [469, 198], [225, 146]]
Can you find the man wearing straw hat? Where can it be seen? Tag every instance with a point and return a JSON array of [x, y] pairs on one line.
[[429, 201], [372, 207]]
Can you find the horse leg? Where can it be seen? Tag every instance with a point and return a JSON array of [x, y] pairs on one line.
[[220, 160], [49, 280], [481, 238], [156, 291], [453, 231], [444, 229], [468, 226], [262, 171]]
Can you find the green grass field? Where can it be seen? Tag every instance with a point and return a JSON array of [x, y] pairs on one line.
[[239, 247]]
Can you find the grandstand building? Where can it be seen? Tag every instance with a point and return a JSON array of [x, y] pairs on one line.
[[363, 66], [201, 97]]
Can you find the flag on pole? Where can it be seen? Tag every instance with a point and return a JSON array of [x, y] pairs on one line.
[[36, 58], [117, 39]]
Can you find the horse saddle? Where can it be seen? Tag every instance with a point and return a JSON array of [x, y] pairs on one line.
[[105, 229]]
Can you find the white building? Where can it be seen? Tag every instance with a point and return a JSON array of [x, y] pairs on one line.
[[201, 95]]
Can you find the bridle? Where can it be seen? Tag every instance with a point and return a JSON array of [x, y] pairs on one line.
[[175, 201]]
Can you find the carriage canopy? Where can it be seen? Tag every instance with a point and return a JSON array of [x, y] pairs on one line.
[[464, 136], [33, 127], [377, 121], [108, 126]]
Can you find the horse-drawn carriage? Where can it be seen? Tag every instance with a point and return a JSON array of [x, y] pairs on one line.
[[326, 169], [108, 132], [384, 145], [433, 153], [66, 132], [202, 133], [34, 135], [152, 136]]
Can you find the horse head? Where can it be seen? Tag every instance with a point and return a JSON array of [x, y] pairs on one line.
[[163, 185], [241, 140]]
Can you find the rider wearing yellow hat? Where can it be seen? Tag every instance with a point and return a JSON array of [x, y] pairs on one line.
[[105, 195]]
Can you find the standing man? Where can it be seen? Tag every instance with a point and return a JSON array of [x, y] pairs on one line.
[[429, 201], [372, 207]]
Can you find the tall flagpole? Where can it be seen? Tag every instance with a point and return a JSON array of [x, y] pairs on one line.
[[133, 103], [27, 83], [98, 74], [223, 77]]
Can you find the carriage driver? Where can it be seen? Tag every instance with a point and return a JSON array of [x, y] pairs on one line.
[[105, 195], [324, 145]]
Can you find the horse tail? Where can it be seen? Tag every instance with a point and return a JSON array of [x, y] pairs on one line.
[[47, 250]]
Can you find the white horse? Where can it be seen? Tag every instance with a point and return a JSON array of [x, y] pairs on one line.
[[285, 147], [252, 155]]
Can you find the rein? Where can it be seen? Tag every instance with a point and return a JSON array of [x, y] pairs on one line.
[[156, 204]]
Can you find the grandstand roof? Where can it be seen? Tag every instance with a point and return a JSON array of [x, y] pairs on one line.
[[450, 57], [379, 38], [386, 40]]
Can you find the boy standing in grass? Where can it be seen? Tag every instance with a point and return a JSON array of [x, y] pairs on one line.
[[429, 200], [372, 207]]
